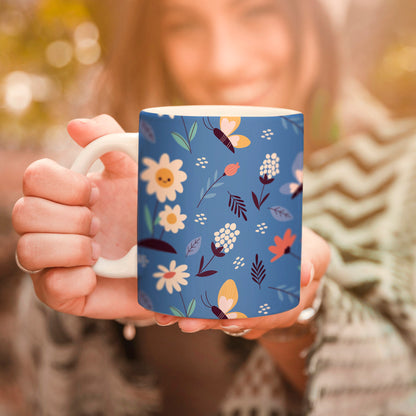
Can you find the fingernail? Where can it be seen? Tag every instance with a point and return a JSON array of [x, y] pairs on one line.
[[192, 330], [83, 120], [190, 326], [94, 194], [165, 320], [232, 328], [95, 226], [311, 274], [95, 254]]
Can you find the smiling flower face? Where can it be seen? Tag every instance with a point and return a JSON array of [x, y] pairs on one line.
[[172, 278], [164, 178]]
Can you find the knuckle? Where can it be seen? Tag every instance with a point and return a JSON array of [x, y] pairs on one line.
[[82, 250], [25, 249], [84, 220], [32, 174], [81, 189], [18, 215], [52, 283]]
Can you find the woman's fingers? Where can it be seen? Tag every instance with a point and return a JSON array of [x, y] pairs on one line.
[[65, 289], [78, 291], [84, 131], [37, 215], [49, 180], [43, 250], [315, 256]]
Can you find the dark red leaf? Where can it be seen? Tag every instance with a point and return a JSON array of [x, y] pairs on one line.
[[156, 244], [255, 200], [264, 199], [201, 263], [207, 273]]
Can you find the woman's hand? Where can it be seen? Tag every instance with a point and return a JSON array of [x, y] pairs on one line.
[[315, 260], [67, 220]]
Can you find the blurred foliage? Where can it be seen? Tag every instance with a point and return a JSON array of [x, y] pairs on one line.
[[48, 46], [43, 52], [393, 78], [392, 75]]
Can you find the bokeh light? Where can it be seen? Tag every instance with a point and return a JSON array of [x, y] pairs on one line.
[[17, 92], [59, 53]]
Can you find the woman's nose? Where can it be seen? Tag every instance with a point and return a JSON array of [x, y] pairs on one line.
[[227, 55]]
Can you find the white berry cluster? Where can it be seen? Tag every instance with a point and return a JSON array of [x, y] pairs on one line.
[[270, 165], [226, 237]]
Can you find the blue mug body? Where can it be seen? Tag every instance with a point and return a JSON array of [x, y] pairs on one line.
[[219, 210]]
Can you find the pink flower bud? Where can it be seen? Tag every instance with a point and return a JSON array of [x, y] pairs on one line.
[[231, 169]]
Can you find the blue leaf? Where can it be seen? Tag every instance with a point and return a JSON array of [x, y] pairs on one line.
[[176, 311], [281, 214], [193, 130], [201, 193], [148, 218], [193, 246], [215, 175], [209, 196], [217, 184], [208, 182], [191, 307], [180, 140], [147, 132]]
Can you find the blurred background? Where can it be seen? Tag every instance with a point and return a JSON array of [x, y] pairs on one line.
[[51, 49]]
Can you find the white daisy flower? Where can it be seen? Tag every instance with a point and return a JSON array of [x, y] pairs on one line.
[[164, 177], [172, 219], [172, 278]]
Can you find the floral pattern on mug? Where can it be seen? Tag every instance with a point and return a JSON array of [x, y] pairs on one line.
[[164, 177], [282, 245], [171, 278], [267, 171], [172, 219], [225, 229]]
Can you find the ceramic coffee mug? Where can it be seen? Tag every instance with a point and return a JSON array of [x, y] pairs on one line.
[[219, 209]]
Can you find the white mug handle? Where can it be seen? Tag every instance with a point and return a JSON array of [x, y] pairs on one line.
[[127, 143]]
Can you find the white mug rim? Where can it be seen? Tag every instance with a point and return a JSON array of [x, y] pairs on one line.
[[220, 111]]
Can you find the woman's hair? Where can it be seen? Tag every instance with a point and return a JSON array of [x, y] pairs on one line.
[[135, 75]]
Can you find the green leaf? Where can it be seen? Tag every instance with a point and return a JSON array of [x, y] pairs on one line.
[[191, 307], [180, 140], [193, 131], [176, 311], [148, 218], [157, 220]]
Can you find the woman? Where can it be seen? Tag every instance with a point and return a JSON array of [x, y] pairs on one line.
[[266, 52]]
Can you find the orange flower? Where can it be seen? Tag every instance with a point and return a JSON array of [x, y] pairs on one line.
[[282, 246], [231, 169]]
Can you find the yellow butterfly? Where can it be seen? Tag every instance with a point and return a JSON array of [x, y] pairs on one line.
[[228, 125], [227, 299]]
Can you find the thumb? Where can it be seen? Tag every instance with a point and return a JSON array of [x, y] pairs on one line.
[[315, 256], [84, 131]]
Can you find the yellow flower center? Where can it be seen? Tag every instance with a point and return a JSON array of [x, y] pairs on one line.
[[171, 218], [164, 177]]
